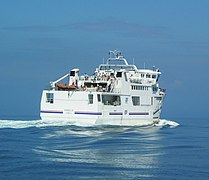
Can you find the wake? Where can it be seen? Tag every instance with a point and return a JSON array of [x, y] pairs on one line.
[[18, 124]]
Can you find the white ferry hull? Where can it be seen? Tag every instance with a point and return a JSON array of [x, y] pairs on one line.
[[73, 106]]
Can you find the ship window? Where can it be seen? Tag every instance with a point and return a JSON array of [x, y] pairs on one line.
[[136, 100], [151, 100], [111, 100], [154, 88], [72, 73], [119, 74], [158, 98], [154, 76], [142, 75], [147, 75], [126, 100], [126, 79], [50, 97], [98, 97], [90, 98]]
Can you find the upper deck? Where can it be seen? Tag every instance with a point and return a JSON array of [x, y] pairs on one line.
[[116, 74]]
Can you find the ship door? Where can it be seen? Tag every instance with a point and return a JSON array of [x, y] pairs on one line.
[[112, 108], [126, 108]]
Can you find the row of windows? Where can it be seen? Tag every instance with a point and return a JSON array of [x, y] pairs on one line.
[[143, 88], [114, 100], [153, 76]]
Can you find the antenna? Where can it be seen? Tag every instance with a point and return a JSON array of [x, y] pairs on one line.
[[144, 65], [133, 61]]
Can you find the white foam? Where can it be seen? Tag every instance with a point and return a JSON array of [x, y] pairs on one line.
[[165, 123], [18, 124]]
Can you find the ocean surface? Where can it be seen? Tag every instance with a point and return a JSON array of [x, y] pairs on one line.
[[33, 149]]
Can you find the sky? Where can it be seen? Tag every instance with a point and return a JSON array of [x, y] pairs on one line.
[[44, 39]]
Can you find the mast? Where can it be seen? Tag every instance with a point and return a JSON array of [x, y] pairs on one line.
[[116, 55]]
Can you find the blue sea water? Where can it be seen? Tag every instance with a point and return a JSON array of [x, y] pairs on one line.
[[33, 149]]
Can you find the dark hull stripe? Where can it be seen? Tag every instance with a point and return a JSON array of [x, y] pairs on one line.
[[55, 112], [138, 113], [88, 113], [115, 113]]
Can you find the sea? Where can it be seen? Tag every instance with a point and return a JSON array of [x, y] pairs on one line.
[[32, 149]]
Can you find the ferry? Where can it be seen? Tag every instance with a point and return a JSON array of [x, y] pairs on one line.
[[117, 93]]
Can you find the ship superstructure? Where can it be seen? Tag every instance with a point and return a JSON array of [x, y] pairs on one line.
[[117, 94]]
